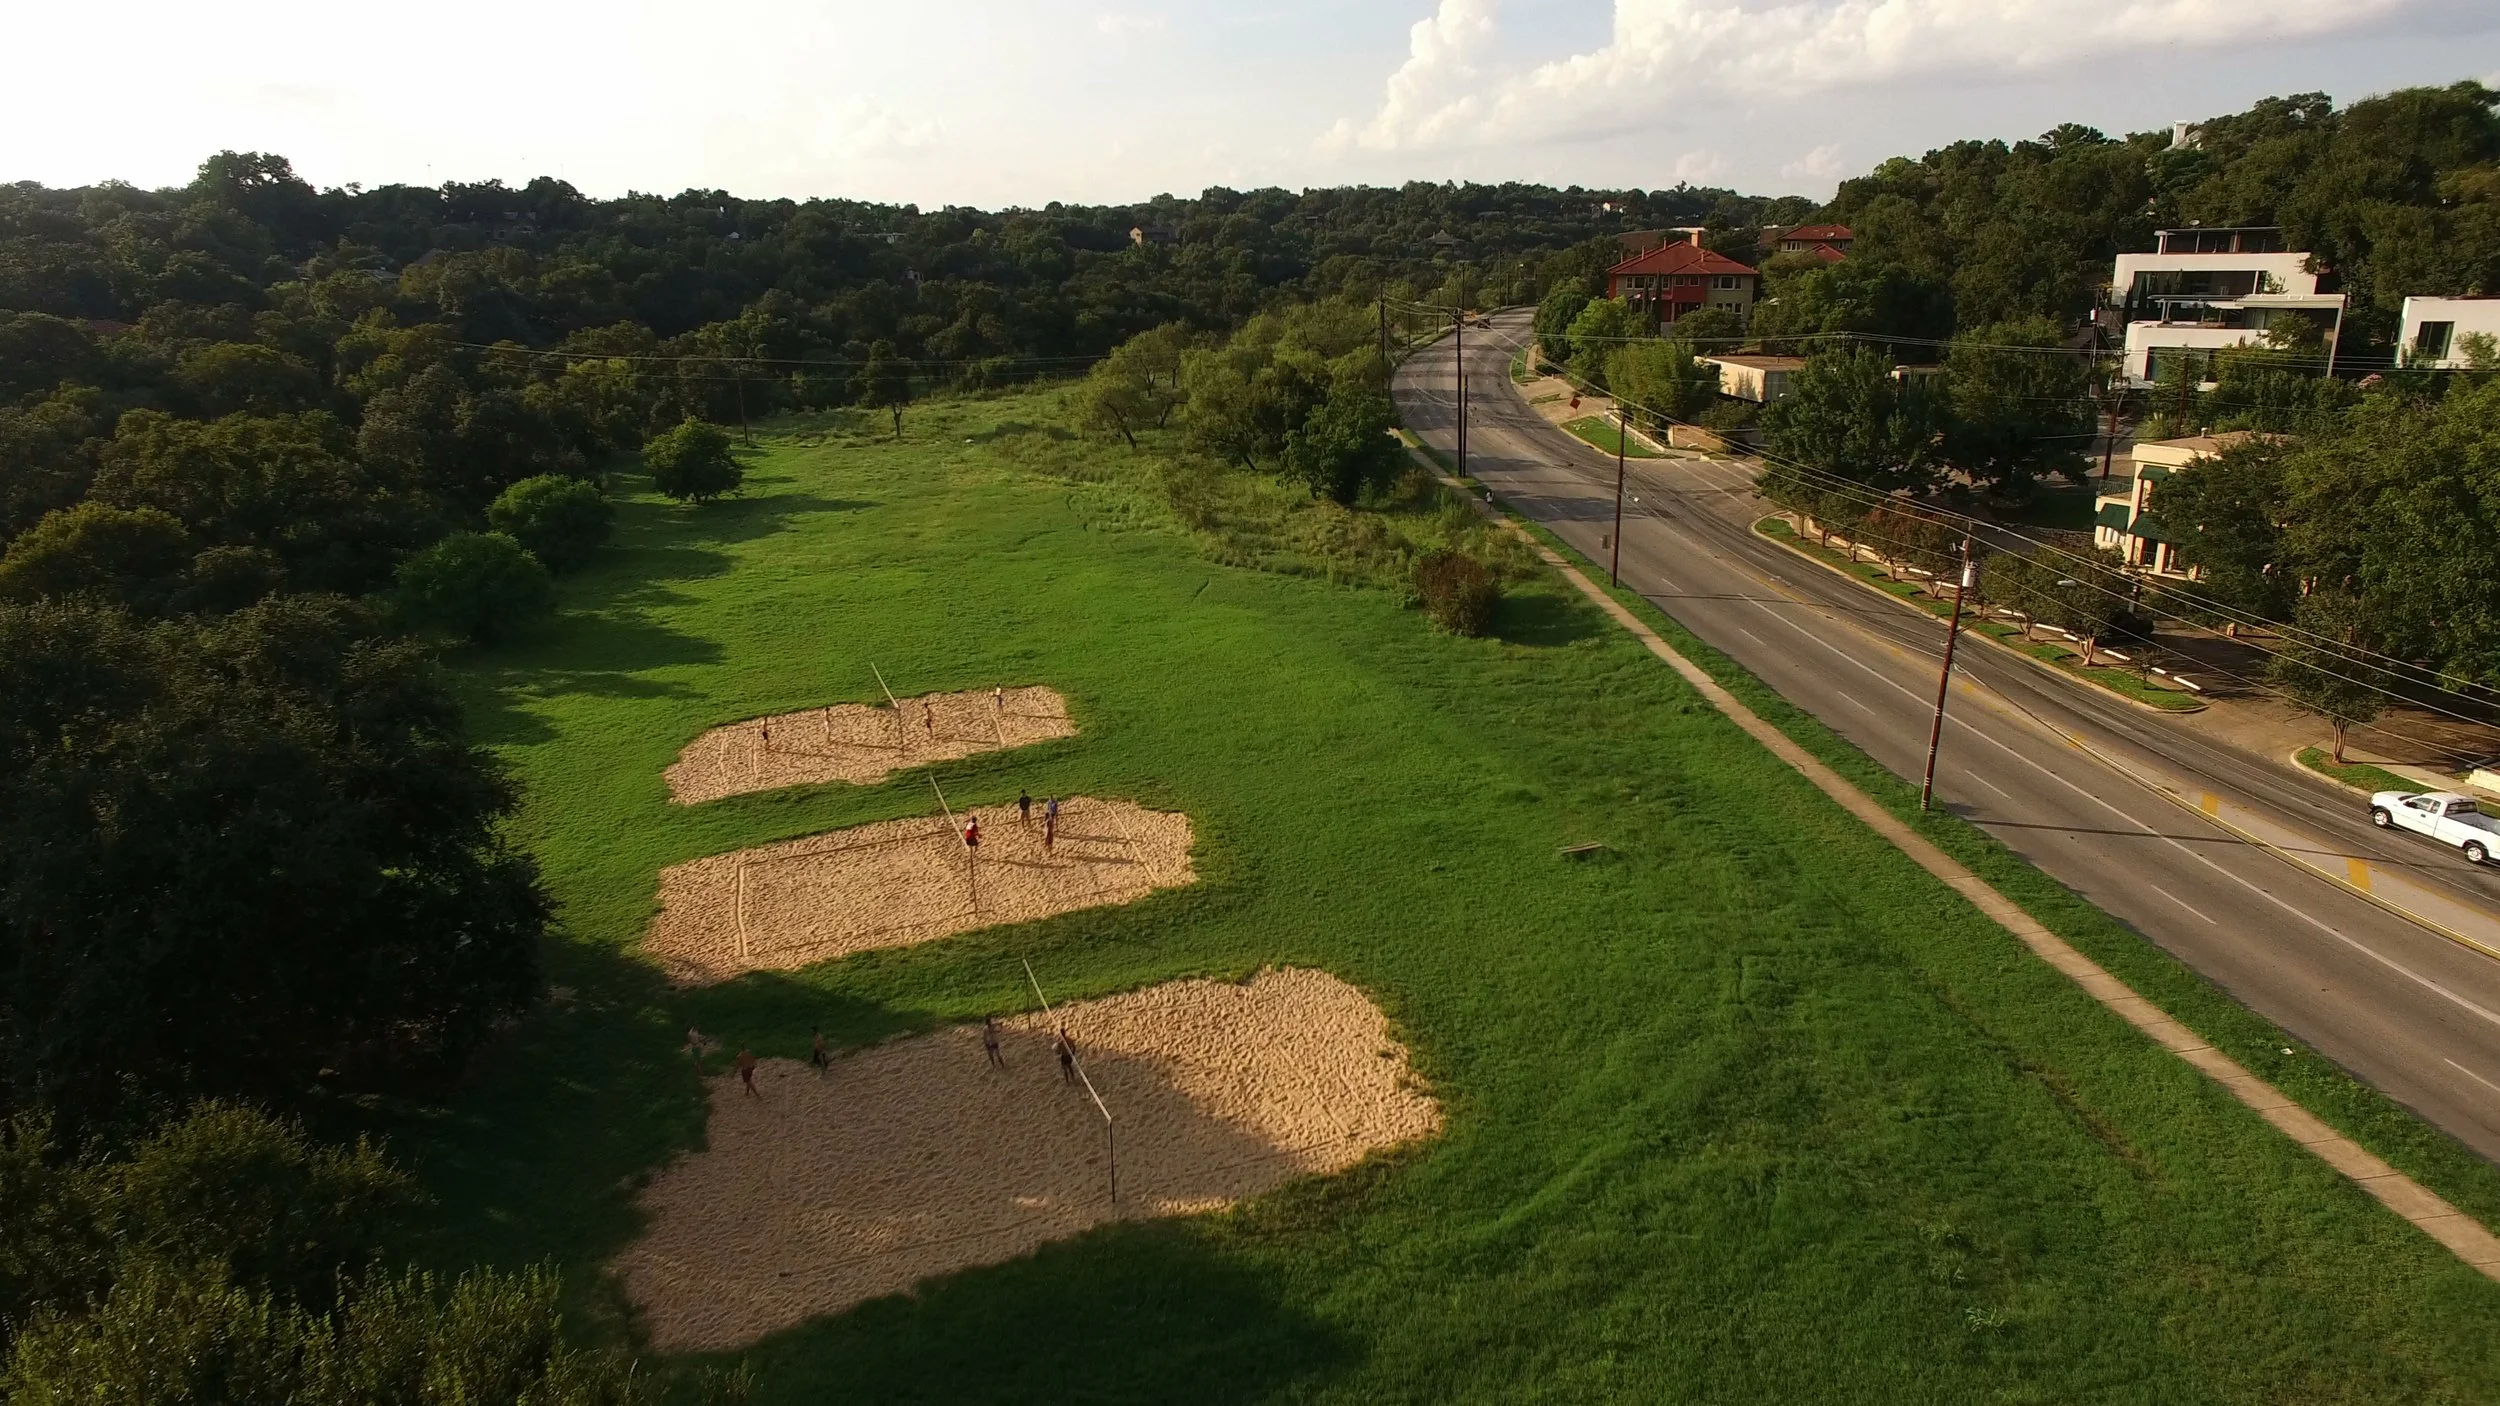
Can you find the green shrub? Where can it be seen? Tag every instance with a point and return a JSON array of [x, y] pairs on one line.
[[562, 520], [1459, 592], [478, 584], [132, 555], [692, 462]]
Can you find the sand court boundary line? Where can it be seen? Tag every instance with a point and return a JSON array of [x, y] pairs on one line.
[[918, 1158], [862, 743], [898, 883]]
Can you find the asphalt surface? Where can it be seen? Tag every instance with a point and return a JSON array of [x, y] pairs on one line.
[[2081, 785]]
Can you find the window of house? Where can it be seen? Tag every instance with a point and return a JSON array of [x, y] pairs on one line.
[[1727, 280], [2430, 340]]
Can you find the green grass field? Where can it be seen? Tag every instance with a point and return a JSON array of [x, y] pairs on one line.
[[1747, 1109], [1606, 435]]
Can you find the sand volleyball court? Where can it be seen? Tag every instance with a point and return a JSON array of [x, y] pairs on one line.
[[862, 743], [901, 882], [915, 1158]]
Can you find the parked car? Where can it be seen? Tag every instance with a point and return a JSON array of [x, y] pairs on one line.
[[2445, 816]]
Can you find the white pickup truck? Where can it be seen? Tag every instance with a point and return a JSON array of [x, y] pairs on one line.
[[2443, 815]]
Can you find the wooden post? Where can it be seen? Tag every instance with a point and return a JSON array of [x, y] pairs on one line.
[[1944, 680], [1623, 433]]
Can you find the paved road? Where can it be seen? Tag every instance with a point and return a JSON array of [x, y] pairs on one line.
[[2411, 1012]]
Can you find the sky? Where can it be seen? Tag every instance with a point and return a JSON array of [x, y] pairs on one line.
[[1021, 102]]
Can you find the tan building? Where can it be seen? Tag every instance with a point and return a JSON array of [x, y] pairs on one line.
[[2122, 519], [1760, 379]]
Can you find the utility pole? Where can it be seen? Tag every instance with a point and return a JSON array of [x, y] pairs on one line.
[[1944, 681], [2109, 437], [1623, 431], [1461, 315], [1384, 334]]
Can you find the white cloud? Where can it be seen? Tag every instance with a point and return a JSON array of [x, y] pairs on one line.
[[1432, 94], [1820, 164], [1699, 167], [1664, 56]]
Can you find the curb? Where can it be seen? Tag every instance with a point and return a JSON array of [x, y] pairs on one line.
[[2463, 1236], [1993, 642]]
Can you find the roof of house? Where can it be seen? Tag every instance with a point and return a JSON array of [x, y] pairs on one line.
[[2179, 451], [1679, 258], [1759, 363], [1821, 234], [1825, 252]]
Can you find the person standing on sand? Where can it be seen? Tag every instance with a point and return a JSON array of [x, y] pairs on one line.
[[768, 737], [928, 719], [972, 832], [746, 1070], [1067, 1057], [817, 1054], [998, 699], [694, 1046], [1024, 808], [989, 1042]]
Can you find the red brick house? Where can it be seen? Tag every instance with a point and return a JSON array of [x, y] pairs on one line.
[[1671, 280]]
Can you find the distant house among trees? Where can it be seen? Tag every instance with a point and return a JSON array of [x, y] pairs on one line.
[[1830, 243], [1143, 235], [1673, 279]]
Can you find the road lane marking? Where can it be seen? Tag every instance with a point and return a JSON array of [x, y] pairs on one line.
[[2359, 871], [1975, 776], [2199, 912], [2470, 1074]]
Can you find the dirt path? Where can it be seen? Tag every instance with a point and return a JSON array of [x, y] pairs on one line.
[[916, 1159], [860, 743], [901, 882]]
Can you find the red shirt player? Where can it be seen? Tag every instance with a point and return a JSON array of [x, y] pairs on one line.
[[972, 832]]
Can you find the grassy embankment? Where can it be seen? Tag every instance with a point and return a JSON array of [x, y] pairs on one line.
[[2361, 776], [1753, 1109], [2067, 660], [1606, 435]]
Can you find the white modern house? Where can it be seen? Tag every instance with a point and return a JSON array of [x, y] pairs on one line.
[[2437, 331], [2202, 290]]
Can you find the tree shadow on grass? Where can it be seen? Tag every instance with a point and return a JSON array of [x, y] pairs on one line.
[[603, 654], [1542, 619], [733, 520], [1138, 1311]]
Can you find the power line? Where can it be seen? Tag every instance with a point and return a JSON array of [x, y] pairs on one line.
[[1866, 494]]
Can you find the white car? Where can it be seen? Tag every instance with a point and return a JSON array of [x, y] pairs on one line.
[[2443, 815]]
